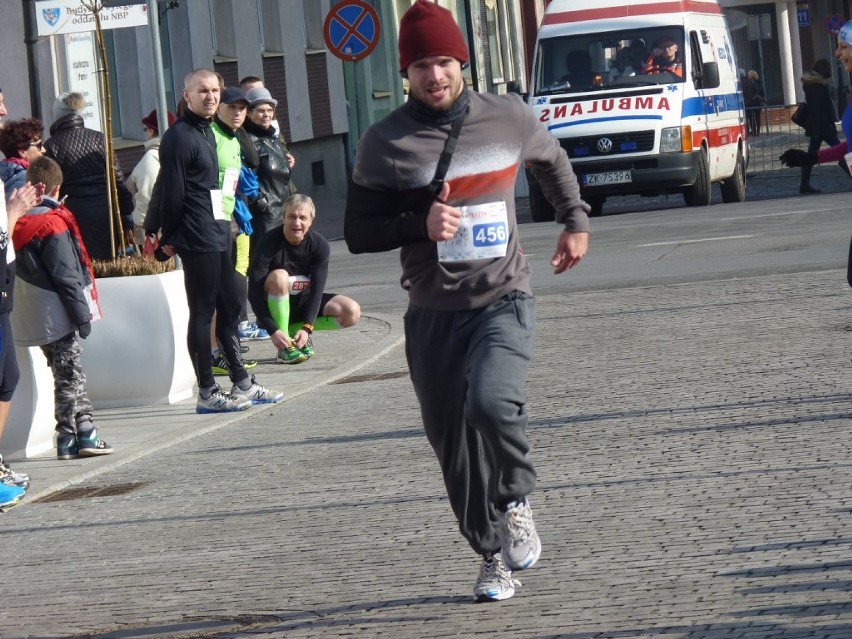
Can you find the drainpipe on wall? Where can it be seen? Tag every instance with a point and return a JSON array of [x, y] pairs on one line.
[[154, 27], [471, 39], [31, 40]]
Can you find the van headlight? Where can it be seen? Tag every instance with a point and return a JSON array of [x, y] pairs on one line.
[[670, 140]]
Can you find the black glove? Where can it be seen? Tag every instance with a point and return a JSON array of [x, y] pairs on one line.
[[160, 254], [797, 157], [85, 329]]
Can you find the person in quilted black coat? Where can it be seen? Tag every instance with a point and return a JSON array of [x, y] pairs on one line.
[[81, 153]]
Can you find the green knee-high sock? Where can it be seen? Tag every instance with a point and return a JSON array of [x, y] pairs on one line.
[[321, 323], [279, 308]]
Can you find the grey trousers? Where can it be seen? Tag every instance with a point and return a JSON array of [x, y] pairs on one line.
[[469, 369]]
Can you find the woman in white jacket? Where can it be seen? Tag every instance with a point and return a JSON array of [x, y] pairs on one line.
[[141, 181]]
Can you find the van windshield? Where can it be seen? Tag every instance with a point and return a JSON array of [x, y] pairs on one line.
[[590, 62]]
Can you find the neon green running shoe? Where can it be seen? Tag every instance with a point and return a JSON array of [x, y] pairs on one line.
[[291, 355], [220, 364], [308, 349]]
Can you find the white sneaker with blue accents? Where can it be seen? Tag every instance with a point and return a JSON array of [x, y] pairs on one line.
[[220, 402], [495, 581], [256, 394], [521, 545]]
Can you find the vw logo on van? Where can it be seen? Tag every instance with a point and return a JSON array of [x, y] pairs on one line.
[[604, 145]]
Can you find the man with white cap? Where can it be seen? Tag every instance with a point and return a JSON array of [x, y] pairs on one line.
[[471, 317]]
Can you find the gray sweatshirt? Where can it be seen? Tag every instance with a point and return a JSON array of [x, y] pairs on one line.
[[388, 199]]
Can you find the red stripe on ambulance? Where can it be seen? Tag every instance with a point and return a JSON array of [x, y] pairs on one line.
[[626, 11], [718, 137]]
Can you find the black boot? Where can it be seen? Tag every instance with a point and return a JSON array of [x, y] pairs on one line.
[[805, 187]]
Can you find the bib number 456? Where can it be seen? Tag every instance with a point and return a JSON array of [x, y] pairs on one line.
[[490, 234]]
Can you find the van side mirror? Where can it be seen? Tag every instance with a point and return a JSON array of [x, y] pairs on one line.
[[710, 75]]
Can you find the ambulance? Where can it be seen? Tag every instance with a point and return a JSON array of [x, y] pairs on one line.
[[645, 98]]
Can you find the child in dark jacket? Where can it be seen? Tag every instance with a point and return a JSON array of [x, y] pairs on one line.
[[56, 299]]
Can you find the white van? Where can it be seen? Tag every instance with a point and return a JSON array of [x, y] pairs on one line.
[[645, 98]]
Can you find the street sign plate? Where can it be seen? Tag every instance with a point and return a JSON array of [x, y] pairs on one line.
[[56, 17], [352, 30]]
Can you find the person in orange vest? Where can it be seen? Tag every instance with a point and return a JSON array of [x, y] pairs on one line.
[[664, 58]]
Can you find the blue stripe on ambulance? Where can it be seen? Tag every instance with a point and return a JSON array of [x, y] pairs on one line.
[[726, 102], [620, 118]]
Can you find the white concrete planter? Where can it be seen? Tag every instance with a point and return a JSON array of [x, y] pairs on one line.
[[29, 430], [137, 355]]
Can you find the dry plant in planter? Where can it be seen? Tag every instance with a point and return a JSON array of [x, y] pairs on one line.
[[129, 266]]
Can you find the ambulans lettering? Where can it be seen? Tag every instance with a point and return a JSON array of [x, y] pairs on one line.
[[607, 105]]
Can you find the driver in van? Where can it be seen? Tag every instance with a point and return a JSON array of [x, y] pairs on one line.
[[665, 58]]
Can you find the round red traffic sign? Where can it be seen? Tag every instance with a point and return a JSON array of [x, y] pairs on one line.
[[834, 23], [352, 30]]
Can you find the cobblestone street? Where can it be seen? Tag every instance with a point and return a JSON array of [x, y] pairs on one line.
[[693, 447]]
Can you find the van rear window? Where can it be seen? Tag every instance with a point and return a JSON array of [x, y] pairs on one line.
[[591, 62]]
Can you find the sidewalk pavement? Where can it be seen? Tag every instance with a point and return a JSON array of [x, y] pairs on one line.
[[140, 431]]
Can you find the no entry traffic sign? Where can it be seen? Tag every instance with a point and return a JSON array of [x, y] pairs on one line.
[[352, 30]]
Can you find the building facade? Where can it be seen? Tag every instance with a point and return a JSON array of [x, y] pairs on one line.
[[325, 103], [782, 39], [280, 41]]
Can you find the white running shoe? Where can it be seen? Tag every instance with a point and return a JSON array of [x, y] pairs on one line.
[[495, 581], [220, 402], [521, 545], [256, 394], [12, 478]]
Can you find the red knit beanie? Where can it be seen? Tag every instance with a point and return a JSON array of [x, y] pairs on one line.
[[151, 120], [428, 30]]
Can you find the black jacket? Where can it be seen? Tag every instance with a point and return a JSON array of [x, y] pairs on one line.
[[153, 218], [81, 153], [822, 114], [309, 259], [273, 176], [751, 92], [189, 171]]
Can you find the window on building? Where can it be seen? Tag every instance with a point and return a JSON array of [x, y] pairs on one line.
[[269, 17], [314, 23], [495, 39]]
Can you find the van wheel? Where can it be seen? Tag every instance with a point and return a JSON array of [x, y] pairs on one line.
[[540, 209], [597, 206], [734, 188], [699, 193]]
